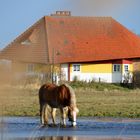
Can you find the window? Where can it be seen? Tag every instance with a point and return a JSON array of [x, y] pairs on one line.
[[76, 67], [116, 68], [126, 68], [30, 68], [26, 42]]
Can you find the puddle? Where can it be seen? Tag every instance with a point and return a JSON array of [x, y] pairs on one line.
[[24, 128]]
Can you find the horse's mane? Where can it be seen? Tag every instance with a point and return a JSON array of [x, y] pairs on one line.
[[72, 95]]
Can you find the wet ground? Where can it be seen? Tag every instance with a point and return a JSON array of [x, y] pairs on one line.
[[28, 128]]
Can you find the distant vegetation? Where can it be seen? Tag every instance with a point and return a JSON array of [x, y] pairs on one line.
[[98, 86]]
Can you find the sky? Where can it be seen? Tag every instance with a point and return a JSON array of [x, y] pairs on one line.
[[18, 15]]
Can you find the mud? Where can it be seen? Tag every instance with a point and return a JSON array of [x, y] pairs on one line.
[[24, 128]]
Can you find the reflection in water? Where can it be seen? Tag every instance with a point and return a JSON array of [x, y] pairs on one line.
[[80, 138], [57, 138], [28, 128]]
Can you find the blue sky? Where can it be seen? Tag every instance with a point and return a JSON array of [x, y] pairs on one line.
[[17, 15]]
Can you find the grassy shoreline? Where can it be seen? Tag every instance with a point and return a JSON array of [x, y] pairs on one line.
[[95, 100]]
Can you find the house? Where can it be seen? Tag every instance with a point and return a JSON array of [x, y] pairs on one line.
[[86, 48]]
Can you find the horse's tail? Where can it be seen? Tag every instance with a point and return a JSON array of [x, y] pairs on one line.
[[41, 95]]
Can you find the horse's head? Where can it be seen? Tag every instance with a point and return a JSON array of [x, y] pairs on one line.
[[71, 103], [72, 114]]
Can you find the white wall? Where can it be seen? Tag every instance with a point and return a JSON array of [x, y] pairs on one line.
[[115, 77], [64, 72], [102, 77]]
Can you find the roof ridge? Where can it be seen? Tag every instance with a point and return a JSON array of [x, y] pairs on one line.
[[80, 16]]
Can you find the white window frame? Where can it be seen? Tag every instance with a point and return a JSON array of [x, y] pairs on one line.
[[76, 67], [126, 68], [30, 68], [117, 69]]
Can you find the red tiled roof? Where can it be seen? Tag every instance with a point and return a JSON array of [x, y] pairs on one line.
[[81, 39], [65, 39], [35, 51]]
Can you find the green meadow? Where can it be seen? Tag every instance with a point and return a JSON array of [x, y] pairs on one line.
[[93, 99]]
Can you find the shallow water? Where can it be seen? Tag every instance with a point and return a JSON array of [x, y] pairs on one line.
[[24, 128]]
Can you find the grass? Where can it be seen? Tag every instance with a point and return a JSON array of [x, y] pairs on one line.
[[93, 99], [111, 104], [18, 101], [97, 86]]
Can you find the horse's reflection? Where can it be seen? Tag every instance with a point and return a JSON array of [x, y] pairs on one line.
[[58, 138]]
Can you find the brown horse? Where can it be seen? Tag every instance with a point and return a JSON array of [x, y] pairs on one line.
[[62, 97]]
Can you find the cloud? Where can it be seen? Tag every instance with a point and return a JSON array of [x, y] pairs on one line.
[[101, 7]]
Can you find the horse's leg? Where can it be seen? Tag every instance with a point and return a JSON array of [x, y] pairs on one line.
[[42, 113], [63, 116], [53, 114], [46, 114], [41, 106]]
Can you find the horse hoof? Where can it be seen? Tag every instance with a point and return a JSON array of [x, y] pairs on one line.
[[43, 125], [74, 124], [62, 125], [54, 125]]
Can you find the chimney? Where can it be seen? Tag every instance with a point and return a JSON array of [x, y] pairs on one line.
[[62, 13]]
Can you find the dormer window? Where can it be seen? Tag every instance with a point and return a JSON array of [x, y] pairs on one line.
[[26, 42]]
